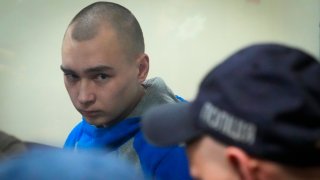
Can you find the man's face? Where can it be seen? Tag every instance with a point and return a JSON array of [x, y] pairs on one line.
[[101, 81], [207, 161]]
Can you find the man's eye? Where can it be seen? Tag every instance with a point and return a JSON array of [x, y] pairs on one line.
[[102, 76], [71, 77]]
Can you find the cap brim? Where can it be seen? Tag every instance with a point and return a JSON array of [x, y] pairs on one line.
[[169, 124]]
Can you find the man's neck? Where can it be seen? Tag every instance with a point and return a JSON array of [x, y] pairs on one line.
[[139, 96]]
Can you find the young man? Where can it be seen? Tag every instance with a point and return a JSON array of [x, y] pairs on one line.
[[256, 117], [105, 68]]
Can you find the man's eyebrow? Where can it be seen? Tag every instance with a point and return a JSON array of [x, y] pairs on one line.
[[91, 70], [98, 69], [66, 70]]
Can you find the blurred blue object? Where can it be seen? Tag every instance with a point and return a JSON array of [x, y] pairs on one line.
[[62, 164]]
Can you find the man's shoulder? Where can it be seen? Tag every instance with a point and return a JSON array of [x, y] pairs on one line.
[[152, 155], [162, 162]]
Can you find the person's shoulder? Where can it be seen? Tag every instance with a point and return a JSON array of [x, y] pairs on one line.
[[141, 144], [162, 162], [10, 145], [153, 155]]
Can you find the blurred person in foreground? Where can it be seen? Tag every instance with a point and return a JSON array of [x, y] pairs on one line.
[[105, 69], [52, 164], [256, 117]]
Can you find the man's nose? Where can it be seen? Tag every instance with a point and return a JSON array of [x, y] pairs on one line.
[[86, 93]]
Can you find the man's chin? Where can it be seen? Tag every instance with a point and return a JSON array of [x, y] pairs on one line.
[[98, 122]]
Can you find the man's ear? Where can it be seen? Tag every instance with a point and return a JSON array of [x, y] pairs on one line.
[[143, 67], [242, 163]]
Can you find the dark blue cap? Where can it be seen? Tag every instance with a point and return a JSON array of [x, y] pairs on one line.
[[264, 99]]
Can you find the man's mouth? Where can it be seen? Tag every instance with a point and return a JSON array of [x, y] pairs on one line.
[[89, 114]]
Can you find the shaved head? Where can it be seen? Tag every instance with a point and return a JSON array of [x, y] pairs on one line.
[[91, 19]]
